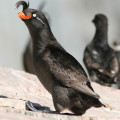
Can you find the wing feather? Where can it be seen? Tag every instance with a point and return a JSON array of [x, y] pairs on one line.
[[68, 71]]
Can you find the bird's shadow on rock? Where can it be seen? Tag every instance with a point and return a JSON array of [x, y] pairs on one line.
[[43, 109], [2, 96]]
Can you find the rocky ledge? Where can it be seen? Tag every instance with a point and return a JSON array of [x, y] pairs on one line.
[[17, 87]]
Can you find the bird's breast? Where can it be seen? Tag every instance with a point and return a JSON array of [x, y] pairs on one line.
[[43, 74]]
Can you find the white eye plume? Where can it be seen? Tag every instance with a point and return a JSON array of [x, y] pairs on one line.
[[40, 20], [34, 15]]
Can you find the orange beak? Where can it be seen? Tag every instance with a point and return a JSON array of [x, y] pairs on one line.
[[22, 16]]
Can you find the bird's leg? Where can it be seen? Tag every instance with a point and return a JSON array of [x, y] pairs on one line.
[[58, 107], [38, 108]]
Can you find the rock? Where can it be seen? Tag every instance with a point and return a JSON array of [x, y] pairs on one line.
[[17, 87]]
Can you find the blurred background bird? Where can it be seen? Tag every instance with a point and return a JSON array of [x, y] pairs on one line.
[[99, 58]]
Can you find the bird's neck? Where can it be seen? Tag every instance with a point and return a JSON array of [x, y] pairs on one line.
[[41, 38], [101, 36]]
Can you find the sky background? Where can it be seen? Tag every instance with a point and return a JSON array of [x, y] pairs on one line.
[[70, 21]]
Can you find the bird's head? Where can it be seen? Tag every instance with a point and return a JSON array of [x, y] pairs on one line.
[[34, 19], [100, 20]]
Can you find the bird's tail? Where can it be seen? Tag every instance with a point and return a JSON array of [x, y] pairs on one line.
[[97, 103]]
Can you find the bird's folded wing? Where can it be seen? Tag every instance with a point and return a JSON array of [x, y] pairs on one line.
[[68, 72]]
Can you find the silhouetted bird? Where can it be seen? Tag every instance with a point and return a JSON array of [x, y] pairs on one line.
[[59, 72], [100, 59]]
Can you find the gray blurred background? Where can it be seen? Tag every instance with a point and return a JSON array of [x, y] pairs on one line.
[[70, 23]]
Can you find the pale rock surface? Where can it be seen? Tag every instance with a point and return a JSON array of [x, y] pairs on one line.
[[17, 87]]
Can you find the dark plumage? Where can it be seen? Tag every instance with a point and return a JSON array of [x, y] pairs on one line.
[[27, 58], [27, 55], [23, 3], [116, 47], [99, 58], [59, 72]]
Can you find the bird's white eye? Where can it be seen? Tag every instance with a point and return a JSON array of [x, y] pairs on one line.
[[34, 15]]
